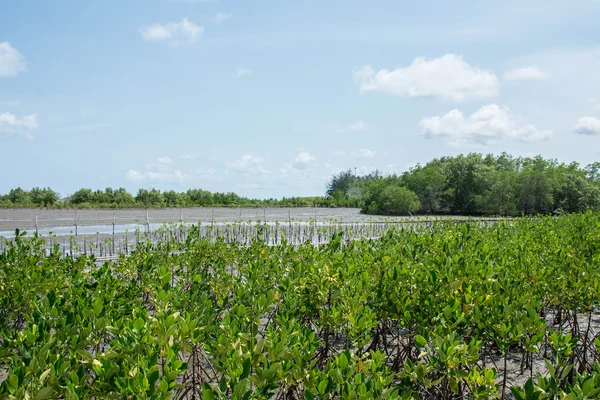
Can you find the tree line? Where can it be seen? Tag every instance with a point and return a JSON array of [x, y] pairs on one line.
[[474, 184], [471, 184], [121, 198]]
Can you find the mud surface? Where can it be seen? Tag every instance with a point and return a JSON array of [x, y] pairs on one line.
[[25, 218]]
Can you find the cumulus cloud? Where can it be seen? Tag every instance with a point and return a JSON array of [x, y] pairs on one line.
[[249, 165], [448, 77], [588, 126], [241, 72], [357, 126], [11, 60], [525, 73], [483, 127], [157, 177], [187, 157], [221, 17], [176, 32], [11, 125], [161, 172], [364, 153], [303, 160]]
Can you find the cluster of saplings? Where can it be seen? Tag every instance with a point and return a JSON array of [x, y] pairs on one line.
[[455, 310], [474, 185]]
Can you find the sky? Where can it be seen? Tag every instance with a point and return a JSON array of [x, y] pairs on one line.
[[271, 98]]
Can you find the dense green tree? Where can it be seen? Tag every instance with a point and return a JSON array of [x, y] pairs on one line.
[[43, 197], [200, 197], [19, 196], [82, 196], [429, 184], [498, 197], [172, 199], [341, 182], [150, 198], [464, 176], [534, 194], [482, 185], [397, 200], [123, 198]]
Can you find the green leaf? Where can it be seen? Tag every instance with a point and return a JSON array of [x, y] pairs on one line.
[[166, 278], [246, 368], [164, 386], [308, 395], [207, 392], [12, 383], [453, 385], [45, 393], [459, 373], [98, 306], [45, 374], [421, 341], [343, 361], [240, 388], [223, 384], [517, 393], [322, 387]]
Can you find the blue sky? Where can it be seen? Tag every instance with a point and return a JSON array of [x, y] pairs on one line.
[[270, 98]]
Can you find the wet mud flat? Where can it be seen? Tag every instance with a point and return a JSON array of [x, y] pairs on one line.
[[25, 218], [107, 233]]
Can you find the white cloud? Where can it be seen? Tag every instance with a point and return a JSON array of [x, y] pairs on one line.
[[249, 165], [588, 126], [357, 126], [11, 60], [525, 73], [364, 153], [221, 17], [303, 160], [162, 172], [156, 32], [207, 175], [483, 127], [157, 177], [177, 32], [11, 125], [448, 77], [241, 72], [187, 157]]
